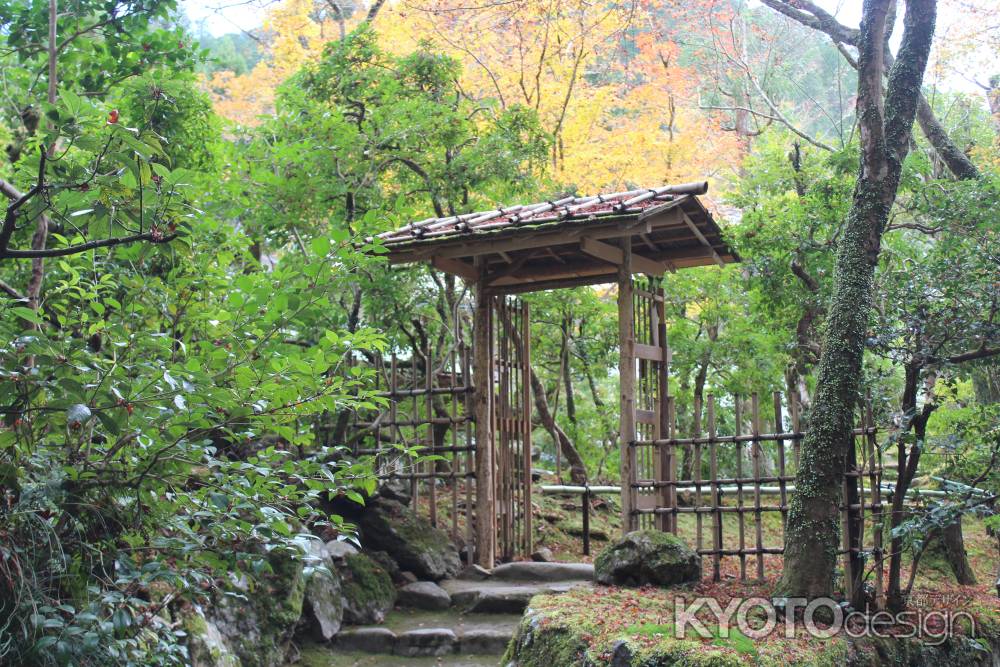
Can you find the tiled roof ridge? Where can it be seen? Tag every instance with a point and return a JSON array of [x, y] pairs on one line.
[[567, 207]]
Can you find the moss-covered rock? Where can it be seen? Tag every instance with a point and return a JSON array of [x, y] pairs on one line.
[[251, 624], [368, 590], [206, 645], [539, 642], [410, 540], [955, 651], [647, 557]]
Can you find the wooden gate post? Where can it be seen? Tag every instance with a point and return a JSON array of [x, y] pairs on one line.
[[526, 422], [482, 373], [626, 381]]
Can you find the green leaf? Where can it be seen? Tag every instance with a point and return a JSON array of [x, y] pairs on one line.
[[320, 245], [27, 314]]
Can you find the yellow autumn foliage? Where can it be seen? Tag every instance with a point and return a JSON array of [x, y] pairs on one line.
[[620, 115]]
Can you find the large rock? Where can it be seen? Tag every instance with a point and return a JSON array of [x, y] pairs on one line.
[[368, 590], [411, 540], [323, 606], [647, 557], [338, 550], [206, 645], [535, 571]]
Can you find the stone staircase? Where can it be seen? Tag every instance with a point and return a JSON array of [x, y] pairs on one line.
[[474, 629]]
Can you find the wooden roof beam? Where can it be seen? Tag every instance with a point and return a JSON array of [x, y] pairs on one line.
[[614, 255], [457, 267], [701, 237], [512, 268]]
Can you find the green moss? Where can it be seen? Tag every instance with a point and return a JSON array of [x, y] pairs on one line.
[[314, 656], [367, 584], [955, 652], [584, 627], [575, 528], [542, 642], [285, 589], [202, 648]]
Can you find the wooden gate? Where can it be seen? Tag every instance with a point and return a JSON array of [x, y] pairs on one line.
[[511, 356], [644, 368]]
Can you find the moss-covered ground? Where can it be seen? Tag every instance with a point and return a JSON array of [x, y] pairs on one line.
[[588, 624]]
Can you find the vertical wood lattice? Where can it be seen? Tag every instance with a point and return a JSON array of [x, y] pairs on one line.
[[428, 411], [650, 359]]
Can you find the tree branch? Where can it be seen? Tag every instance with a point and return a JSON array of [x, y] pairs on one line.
[[153, 237], [10, 217], [816, 18], [982, 353], [900, 102]]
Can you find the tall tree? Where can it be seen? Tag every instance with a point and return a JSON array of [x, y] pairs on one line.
[[885, 123]]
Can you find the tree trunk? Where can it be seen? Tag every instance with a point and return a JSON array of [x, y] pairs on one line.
[[986, 383], [577, 469], [908, 461], [568, 373], [993, 98], [812, 537], [953, 544]]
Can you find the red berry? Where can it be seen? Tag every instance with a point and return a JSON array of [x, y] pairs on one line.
[[113, 117]]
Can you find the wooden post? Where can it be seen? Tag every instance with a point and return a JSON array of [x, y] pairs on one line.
[[664, 521], [626, 380], [468, 409], [432, 468], [755, 453], [716, 513], [740, 510], [779, 428], [672, 462], [853, 562], [526, 425], [483, 404]]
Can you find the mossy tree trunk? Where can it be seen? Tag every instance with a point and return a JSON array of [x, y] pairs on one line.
[[811, 540]]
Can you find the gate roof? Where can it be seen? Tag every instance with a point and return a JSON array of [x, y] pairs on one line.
[[569, 241]]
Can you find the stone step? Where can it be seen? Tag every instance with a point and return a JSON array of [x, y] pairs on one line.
[[322, 657], [502, 597], [532, 572], [420, 634]]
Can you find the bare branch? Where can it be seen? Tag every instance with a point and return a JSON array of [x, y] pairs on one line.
[[152, 237]]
